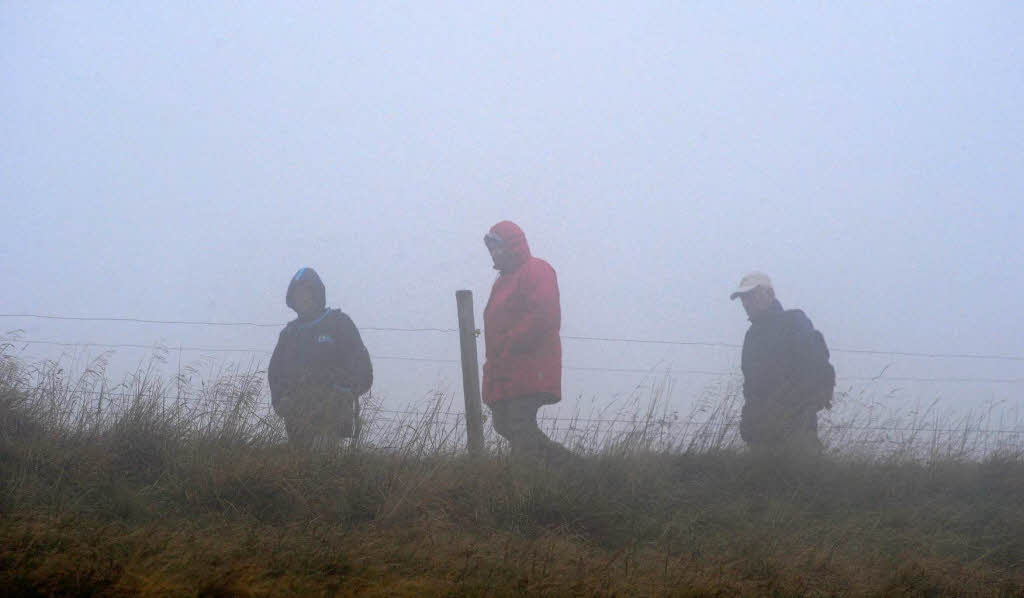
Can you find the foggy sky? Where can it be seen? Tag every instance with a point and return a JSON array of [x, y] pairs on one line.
[[182, 162]]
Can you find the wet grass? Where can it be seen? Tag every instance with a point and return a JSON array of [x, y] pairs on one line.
[[156, 495]]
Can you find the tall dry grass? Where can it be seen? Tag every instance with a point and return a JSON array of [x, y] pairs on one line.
[[229, 402], [185, 486]]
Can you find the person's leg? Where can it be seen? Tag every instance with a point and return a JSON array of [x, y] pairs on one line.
[[521, 417], [357, 422], [499, 419], [346, 414], [299, 433], [808, 435], [291, 430], [785, 432], [529, 441], [326, 441], [756, 428], [555, 452], [327, 421], [779, 428]]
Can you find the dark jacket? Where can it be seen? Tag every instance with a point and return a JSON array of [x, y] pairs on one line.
[[317, 354], [521, 323], [785, 363]]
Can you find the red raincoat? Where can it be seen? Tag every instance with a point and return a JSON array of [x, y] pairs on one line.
[[521, 324]]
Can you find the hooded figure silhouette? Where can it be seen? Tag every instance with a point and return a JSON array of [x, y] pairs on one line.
[[523, 369], [319, 368]]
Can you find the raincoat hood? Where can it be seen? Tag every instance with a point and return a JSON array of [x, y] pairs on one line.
[[514, 243], [307, 276]]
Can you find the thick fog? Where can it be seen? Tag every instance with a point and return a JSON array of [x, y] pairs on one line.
[[182, 162]]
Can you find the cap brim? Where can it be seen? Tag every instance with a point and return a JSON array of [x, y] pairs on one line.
[[743, 291]]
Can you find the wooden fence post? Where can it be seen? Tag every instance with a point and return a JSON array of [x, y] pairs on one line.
[[470, 373]]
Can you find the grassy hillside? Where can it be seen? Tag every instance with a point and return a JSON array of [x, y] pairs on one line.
[[156, 500]]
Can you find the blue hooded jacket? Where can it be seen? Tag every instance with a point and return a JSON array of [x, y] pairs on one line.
[[319, 353]]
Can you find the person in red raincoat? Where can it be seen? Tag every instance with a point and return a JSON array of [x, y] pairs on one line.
[[523, 367]]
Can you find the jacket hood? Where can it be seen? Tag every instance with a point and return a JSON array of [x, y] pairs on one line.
[[307, 276], [516, 247]]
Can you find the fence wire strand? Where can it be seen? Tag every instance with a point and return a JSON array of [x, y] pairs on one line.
[[606, 339]]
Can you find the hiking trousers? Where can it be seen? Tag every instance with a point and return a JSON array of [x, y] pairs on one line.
[[321, 424], [775, 428], [515, 419]]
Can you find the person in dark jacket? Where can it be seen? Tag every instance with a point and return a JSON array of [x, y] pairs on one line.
[[787, 377], [523, 369], [319, 368]]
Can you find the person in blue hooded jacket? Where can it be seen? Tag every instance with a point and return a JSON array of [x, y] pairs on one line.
[[319, 368]]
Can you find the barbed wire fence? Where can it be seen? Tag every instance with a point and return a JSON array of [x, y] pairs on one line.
[[672, 429]]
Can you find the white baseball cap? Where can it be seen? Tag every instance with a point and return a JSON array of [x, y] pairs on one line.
[[750, 282]]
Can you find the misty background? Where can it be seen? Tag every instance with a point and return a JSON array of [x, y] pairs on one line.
[[181, 162]]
